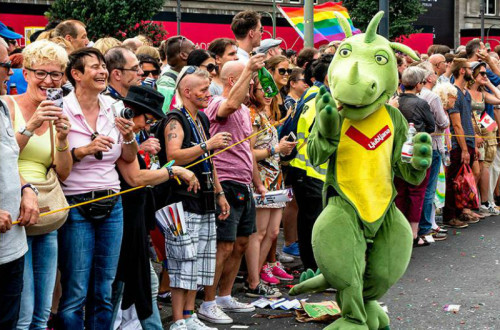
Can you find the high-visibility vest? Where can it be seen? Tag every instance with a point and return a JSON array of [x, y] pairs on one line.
[[304, 124]]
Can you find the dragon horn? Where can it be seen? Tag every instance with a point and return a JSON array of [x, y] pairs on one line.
[[344, 24], [404, 49], [371, 30]]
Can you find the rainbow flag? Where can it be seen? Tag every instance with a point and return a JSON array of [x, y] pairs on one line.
[[326, 26]]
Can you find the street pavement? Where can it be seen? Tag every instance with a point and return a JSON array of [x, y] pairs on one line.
[[462, 270]]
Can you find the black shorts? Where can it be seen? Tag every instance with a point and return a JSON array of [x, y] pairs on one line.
[[241, 220]]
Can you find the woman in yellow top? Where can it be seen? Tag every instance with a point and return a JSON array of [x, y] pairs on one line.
[[32, 114]]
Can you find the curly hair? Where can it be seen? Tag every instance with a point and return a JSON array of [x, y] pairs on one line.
[[43, 52]]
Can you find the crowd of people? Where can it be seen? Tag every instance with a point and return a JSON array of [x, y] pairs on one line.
[[94, 119]]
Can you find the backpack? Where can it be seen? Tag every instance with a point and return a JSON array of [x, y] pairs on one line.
[[290, 124]]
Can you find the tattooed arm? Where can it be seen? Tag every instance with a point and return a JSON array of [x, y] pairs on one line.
[[174, 135]]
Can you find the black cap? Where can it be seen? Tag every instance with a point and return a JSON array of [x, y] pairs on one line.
[[145, 99]]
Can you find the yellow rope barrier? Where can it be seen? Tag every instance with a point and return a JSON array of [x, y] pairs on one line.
[[140, 187]]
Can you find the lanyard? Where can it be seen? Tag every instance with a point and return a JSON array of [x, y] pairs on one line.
[[199, 137], [113, 93]]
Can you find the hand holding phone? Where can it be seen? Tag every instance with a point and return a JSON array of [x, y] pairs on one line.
[[55, 95]]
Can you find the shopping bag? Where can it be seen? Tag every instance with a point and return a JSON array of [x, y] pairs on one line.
[[466, 195]]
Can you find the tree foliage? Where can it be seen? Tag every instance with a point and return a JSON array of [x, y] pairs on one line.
[[105, 17], [402, 14]]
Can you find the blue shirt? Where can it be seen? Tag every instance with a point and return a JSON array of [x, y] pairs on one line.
[[463, 107], [18, 79]]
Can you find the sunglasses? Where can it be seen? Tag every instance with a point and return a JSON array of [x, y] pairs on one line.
[[483, 73], [190, 70], [211, 67], [42, 74], [7, 65], [149, 121], [282, 71], [152, 72]]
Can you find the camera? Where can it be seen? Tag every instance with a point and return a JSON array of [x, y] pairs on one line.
[[56, 95], [120, 111]]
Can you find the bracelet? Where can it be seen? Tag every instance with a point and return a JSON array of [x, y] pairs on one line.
[[220, 193], [129, 142], [170, 172], [271, 151], [75, 160], [63, 148]]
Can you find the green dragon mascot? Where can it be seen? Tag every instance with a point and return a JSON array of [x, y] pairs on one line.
[[362, 243]]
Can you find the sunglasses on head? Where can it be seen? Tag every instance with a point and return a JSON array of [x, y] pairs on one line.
[[190, 70], [6, 65], [152, 72], [282, 71]]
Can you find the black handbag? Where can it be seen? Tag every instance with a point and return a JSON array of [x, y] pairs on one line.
[[96, 211]]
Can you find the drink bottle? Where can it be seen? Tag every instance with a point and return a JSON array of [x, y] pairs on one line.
[[13, 89], [267, 83], [407, 150], [154, 160]]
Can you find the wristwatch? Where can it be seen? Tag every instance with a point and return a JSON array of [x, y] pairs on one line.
[[32, 187], [204, 147], [24, 131], [170, 172]]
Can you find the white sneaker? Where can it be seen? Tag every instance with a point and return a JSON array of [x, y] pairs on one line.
[[285, 259], [233, 305], [193, 323], [485, 210], [179, 325], [492, 209], [213, 314]]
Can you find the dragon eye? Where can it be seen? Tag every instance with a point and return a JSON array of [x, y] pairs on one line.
[[381, 58], [345, 52]]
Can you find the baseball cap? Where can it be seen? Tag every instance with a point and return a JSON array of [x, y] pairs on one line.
[[8, 34], [267, 44]]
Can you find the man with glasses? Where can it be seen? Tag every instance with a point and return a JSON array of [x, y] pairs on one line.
[[124, 71], [177, 51], [270, 47], [462, 141], [150, 69], [439, 66], [247, 31], [5, 67], [442, 122]]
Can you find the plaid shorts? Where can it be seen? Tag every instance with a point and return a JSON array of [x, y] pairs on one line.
[[188, 274]]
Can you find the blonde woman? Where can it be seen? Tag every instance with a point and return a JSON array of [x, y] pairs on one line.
[[105, 44], [32, 114]]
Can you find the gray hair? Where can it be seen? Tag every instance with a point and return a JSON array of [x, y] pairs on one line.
[[198, 73], [427, 67], [444, 90], [412, 76]]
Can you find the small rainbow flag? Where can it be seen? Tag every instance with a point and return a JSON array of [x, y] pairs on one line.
[[326, 26]]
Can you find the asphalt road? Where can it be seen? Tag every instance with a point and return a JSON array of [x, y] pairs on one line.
[[462, 270]]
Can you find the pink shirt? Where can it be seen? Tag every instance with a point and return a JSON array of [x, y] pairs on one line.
[[235, 164], [90, 173]]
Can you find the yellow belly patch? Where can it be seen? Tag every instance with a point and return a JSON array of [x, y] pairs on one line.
[[363, 164]]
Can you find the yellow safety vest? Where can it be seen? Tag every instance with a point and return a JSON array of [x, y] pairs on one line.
[[304, 124]]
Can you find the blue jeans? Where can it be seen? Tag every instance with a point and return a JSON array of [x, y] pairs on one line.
[[88, 259], [425, 224], [153, 321], [40, 268]]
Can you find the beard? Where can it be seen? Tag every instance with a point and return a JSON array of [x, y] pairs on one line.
[[468, 77]]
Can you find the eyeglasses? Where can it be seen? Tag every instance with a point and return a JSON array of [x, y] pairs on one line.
[[282, 71], [153, 72], [135, 69], [42, 74], [483, 73], [211, 67], [190, 70], [11, 41], [6, 65], [98, 155], [149, 121]]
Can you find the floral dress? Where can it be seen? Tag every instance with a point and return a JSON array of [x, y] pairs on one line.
[[269, 168]]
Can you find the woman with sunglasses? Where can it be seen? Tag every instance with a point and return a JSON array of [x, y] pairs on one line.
[[202, 59], [279, 67], [295, 87], [487, 142], [151, 69], [267, 149], [33, 115]]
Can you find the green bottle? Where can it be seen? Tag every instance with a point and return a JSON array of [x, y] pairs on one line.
[[267, 83]]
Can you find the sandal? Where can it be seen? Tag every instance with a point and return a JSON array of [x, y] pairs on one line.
[[468, 218], [417, 240], [473, 214]]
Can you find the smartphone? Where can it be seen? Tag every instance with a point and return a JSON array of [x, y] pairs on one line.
[[291, 137], [56, 95]]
